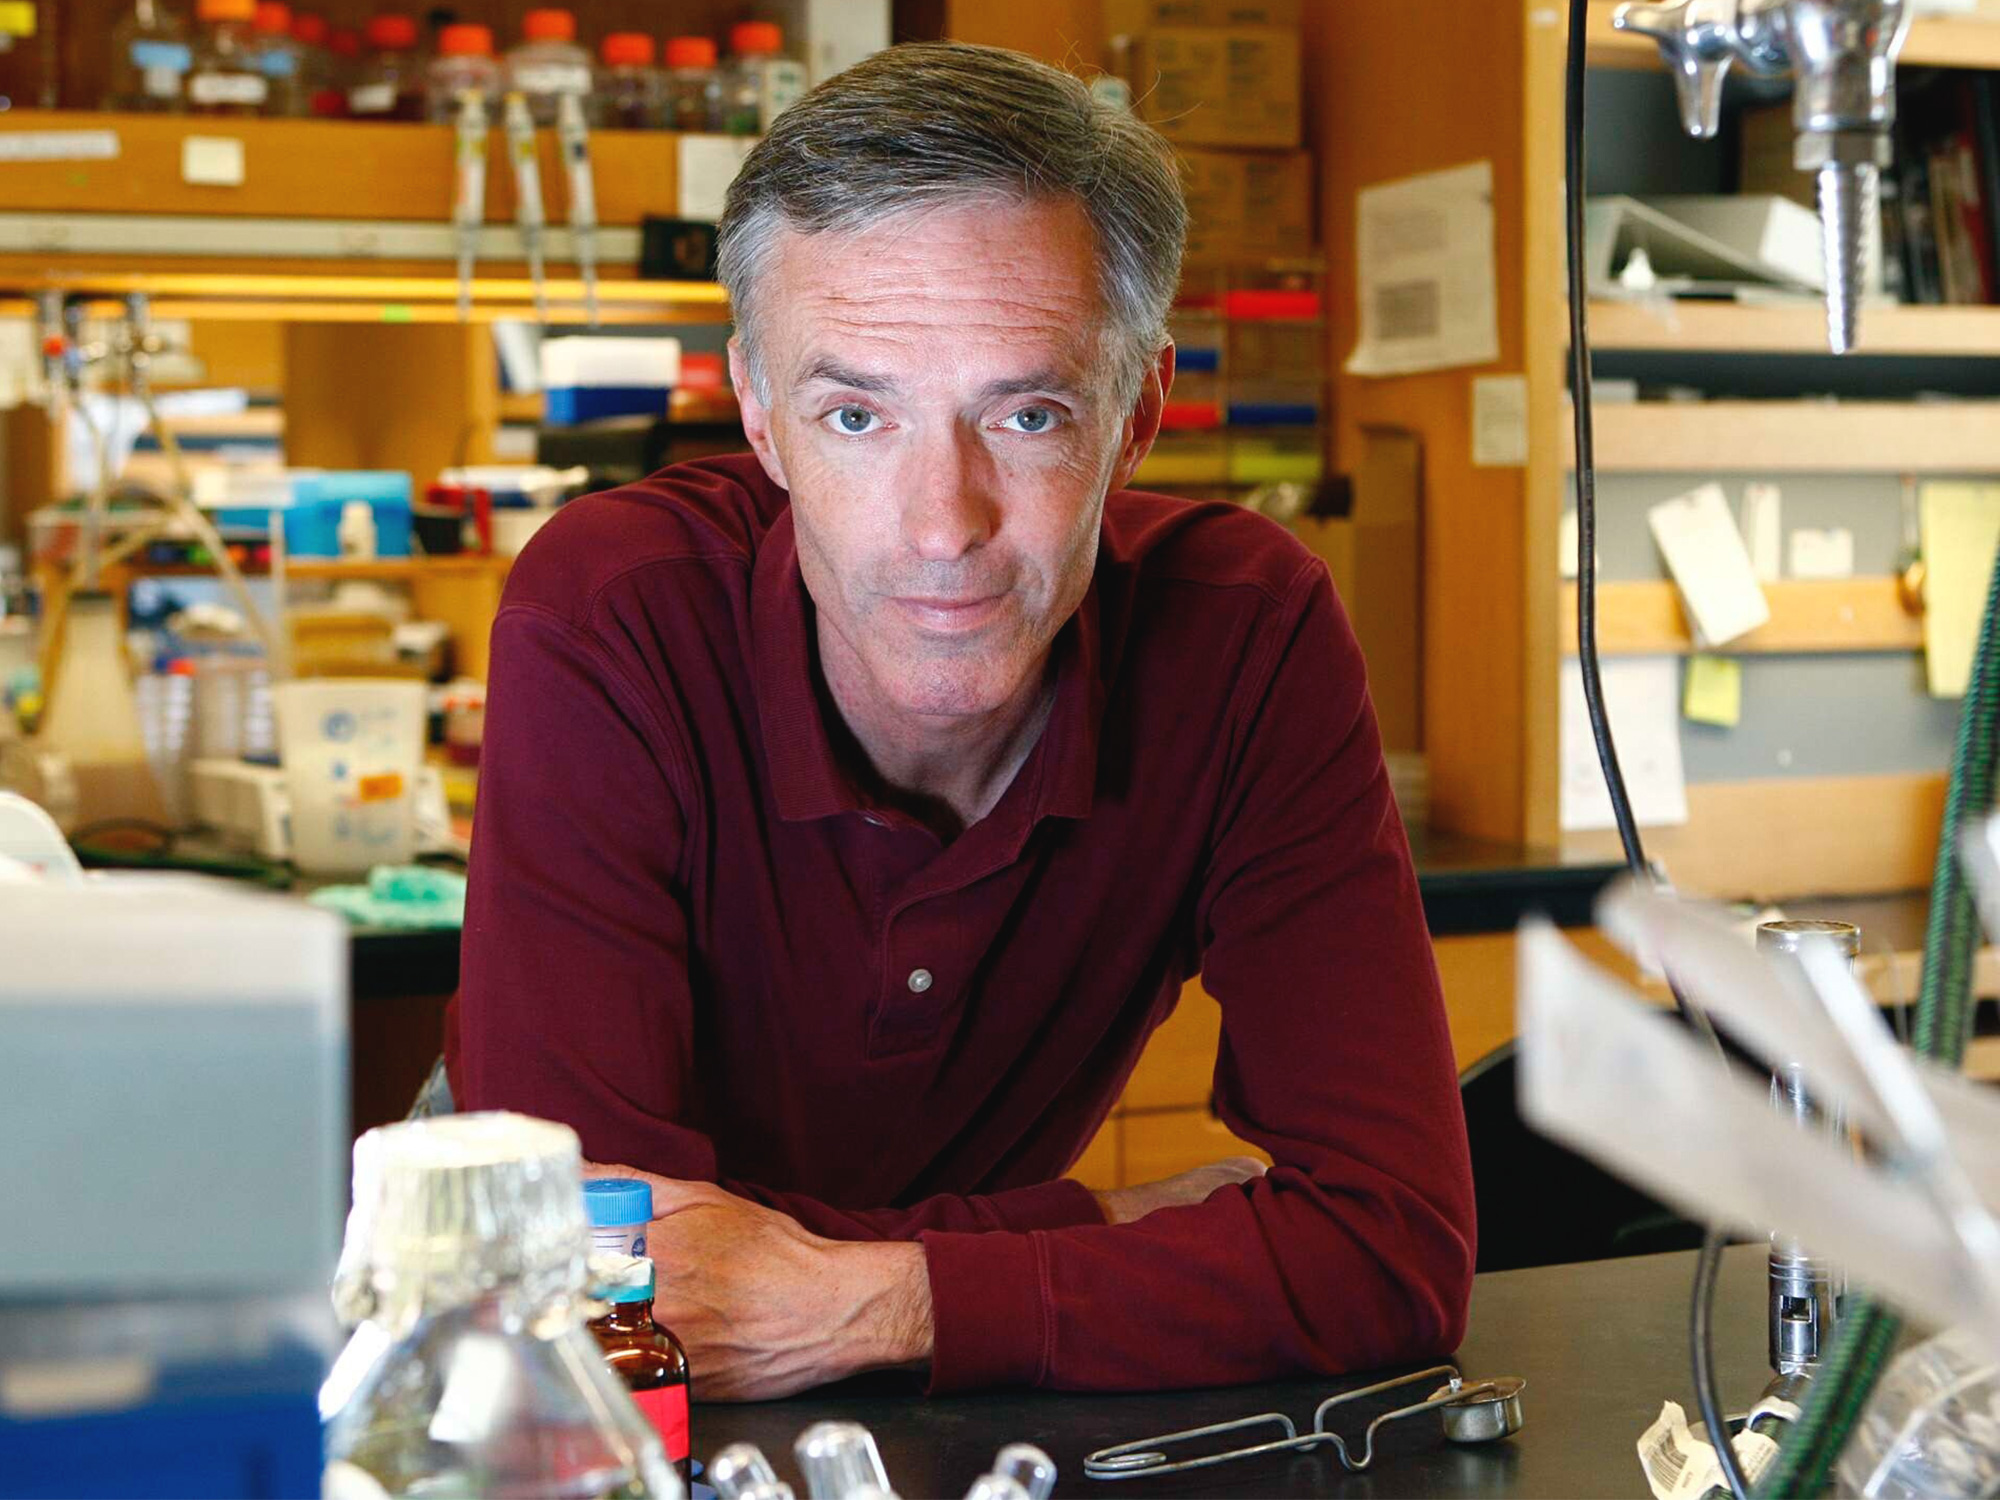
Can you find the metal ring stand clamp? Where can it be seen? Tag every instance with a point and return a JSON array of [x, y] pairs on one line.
[[1475, 1412]]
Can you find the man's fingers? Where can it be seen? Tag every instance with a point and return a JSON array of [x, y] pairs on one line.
[[671, 1195]]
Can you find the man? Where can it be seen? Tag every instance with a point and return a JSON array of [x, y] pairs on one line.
[[853, 812]]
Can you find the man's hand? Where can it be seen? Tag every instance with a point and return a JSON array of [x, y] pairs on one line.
[[1123, 1205], [765, 1308]]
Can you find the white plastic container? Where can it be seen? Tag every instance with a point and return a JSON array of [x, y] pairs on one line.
[[352, 749]]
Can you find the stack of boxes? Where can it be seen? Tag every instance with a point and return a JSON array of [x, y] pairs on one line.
[[1221, 79]]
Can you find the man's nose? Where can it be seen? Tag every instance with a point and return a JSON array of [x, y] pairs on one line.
[[950, 507]]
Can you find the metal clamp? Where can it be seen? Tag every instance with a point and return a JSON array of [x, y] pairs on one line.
[[1475, 1412]]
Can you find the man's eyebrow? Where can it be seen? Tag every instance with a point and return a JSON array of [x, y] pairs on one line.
[[1051, 380], [833, 372]]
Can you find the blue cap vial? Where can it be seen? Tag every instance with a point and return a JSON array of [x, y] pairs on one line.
[[613, 1202]]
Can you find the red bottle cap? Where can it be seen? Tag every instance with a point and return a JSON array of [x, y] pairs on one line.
[[628, 49], [309, 29], [756, 39], [549, 26], [690, 52], [466, 40], [392, 33], [274, 18]]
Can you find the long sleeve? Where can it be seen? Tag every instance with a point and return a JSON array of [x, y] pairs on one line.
[[575, 1001], [1356, 1250]]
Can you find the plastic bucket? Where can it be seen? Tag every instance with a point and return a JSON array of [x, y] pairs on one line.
[[352, 748]]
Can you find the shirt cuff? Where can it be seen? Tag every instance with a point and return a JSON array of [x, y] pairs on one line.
[[990, 1316], [1061, 1204]]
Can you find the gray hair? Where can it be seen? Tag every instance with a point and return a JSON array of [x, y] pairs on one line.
[[942, 123]]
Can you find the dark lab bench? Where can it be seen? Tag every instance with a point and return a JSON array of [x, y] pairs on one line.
[[1600, 1346]]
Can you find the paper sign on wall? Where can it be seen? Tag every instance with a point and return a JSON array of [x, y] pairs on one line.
[[1499, 421], [1961, 532], [1704, 551], [1713, 691], [1424, 265], [1823, 554], [1764, 530], [1642, 698]]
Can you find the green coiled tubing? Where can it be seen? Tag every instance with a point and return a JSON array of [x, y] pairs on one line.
[[1867, 1335]]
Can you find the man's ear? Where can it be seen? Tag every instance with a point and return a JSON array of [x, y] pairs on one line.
[[756, 416], [1143, 425]]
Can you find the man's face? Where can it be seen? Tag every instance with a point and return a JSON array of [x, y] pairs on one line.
[[942, 408]]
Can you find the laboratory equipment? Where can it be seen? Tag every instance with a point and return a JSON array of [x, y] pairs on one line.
[[693, 85], [619, 1209], [548, 64], [1806, 1291], [391, 81], [1029, 1467], [630, 95], [324, 98], [149, 59], [741, 1472], [760, 82], [226, 76], [1928, 1432], [1841, 55], [222, 1016], [470, 1371], [586, 377], [529, 215], [840, 1461], [278, 57], [352, 749], [464, 65], [573, 135], [30, 72], [468, 209], [1470, 1411], [647, 1357]]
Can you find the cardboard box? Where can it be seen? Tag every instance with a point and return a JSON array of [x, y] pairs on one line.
[[1216, 86], [1124, 16], [1247, 204]]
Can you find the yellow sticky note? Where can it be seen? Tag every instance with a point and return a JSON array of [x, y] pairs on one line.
[[1713, 691], [1961, 533]]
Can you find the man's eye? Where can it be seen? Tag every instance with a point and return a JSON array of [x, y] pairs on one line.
[[1031, 419], [854, 420]]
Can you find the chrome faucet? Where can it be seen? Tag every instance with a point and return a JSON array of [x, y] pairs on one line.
[[1841, 55]]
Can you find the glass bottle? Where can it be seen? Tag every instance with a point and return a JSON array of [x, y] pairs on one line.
[[548, 63], [226, 76], [649, 1359], [323, 98], [694, 85], [464, 62], [278, 56], [30, 75], [390, 85], [629, 88], [470, 1371], [761, 81], [149, 59]]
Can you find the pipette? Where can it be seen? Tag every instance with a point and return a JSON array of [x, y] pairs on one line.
[[529, 215], [573, 134], [468, 214]]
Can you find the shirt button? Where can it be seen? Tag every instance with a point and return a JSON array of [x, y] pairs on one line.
[[872, 821], [920, 980]]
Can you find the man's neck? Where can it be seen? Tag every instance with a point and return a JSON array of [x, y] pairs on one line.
[[947, 770]]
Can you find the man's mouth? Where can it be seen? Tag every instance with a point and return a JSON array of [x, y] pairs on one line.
[[948, 614]]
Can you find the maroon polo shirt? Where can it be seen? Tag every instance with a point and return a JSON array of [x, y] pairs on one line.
[[692, 936]]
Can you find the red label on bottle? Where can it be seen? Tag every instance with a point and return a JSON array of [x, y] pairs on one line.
[[667, 1409]]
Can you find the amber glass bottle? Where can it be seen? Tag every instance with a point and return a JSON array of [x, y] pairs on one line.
[[649, 1359]]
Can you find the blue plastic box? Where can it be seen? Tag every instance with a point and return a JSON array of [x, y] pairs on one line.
[[312, 520]]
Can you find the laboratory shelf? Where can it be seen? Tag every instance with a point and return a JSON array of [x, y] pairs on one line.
[[1934, 42], [1701, 327], [1644, 618], [1807, 437]]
